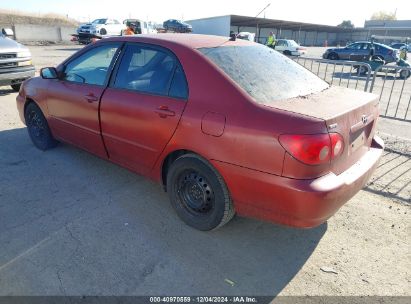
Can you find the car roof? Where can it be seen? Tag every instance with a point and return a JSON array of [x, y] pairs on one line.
[[192, 41], [377, 43]]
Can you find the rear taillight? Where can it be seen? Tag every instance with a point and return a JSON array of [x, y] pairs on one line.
[[301, 49], [337, 145], [313, 149]]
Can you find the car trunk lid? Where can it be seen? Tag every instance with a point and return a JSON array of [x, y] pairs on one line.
[[352, 114]]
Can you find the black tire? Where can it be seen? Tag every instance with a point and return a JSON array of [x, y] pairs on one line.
[[362, 70], [103, 31], [38, 128], [287, 53], [404, 74], [333, 56], [16, 87], [198, 193]]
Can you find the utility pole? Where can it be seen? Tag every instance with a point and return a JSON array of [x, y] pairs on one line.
[[257, 31]]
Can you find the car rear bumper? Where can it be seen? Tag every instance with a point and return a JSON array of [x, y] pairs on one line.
[[294, 202], [298, 53], [17, 75]]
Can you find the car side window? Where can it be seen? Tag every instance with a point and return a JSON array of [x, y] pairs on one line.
[[91, 67], [365, 46], [179, 87], [354, 46], [149, 70]]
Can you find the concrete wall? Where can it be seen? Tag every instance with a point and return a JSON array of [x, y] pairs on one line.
[[32, 32], [43, 33], [219, 26]]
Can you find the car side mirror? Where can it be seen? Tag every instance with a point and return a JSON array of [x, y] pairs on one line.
[[7, 32], [49, 73]]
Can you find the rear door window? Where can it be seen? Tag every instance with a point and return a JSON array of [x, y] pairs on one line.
[[151, 70]]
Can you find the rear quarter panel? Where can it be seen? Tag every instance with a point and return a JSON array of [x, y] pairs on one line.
[[250, 137]]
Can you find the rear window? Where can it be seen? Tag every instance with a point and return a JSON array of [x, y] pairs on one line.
[[263, 73]]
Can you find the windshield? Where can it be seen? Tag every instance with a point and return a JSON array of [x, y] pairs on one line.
[[263, 73], [292, 43], [99, 21]]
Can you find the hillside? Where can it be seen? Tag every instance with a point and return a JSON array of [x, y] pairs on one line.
[[16, 17]]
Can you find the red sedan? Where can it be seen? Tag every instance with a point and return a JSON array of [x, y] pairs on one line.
[[226, 126]]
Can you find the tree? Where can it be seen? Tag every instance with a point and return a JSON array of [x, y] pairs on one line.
[[383, 15], [346, 24]]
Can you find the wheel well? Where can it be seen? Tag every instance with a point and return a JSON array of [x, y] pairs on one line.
[[167, 163], [28, 101], [333, 54]]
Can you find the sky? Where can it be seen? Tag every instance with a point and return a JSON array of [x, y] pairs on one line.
[[330, 12]]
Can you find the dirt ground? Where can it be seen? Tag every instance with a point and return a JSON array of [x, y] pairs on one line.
[[73, 224]]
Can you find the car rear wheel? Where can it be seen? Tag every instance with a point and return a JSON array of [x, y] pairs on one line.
[[103, 31], [404, 74], [198, 193], [362, 70], [38, 128], [16, 87], [332, 56]]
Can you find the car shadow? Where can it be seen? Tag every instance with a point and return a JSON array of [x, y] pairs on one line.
[[6, 91], [99, 219], [352, 76]]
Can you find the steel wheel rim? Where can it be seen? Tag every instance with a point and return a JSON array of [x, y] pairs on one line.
[[195, 193], [36, 126]]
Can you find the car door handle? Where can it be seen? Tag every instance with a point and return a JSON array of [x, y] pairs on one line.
[[91, 97], [164, 111]]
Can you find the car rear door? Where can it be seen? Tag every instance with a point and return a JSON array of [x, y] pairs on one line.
[[142, 106], [73, 100]]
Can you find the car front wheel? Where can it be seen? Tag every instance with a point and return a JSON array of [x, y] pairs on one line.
[[38, 128], [16, 87], [332, 56], [198, 193]]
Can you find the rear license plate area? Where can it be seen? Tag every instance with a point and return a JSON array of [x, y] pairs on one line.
[[358, 140]]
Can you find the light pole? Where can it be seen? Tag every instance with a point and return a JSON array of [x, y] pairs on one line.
[[257, 31]]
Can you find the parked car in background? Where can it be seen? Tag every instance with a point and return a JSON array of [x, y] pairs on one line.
[[15, 61], [246, 36], [177, 26], [289, 47], [140, 27], [399, 46], [200, 115], [359, 51], [102, 27]]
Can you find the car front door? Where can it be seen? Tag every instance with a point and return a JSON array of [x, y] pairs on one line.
[[73, 100], [142, 106]]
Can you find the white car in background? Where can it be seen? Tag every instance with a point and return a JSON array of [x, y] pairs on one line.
[[246, 36], [289, 47], [102, 27]]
